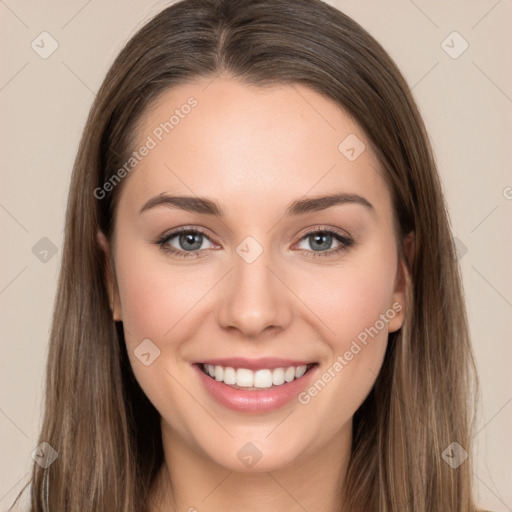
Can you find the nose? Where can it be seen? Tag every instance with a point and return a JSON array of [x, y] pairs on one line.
[[253, 298]]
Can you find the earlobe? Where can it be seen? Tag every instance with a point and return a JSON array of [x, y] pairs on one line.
[[410, 247], [402, 277], [110, 280], [397, 307], [102, 241]]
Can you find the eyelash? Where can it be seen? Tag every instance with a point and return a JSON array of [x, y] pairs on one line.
[[345, 242]]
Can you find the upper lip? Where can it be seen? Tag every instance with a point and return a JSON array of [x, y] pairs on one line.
[[256, 364]]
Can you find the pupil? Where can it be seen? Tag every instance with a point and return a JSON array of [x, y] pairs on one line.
[[189, 238], [321, 238]]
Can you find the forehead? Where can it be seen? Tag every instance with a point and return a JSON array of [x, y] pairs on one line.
[[248, 144]]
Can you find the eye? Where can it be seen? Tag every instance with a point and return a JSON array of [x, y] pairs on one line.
[[189, 242], [321, 241], [184, 242]]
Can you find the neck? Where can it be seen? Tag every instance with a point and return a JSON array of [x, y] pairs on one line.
[[190, 481]]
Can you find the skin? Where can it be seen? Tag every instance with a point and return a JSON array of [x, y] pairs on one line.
[[254, 151]]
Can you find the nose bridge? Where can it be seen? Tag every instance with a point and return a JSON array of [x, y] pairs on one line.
[[253, 299]]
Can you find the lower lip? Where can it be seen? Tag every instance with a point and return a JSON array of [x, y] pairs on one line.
[[255, 401]]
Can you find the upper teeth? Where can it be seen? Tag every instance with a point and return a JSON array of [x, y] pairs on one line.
[[259, 379]]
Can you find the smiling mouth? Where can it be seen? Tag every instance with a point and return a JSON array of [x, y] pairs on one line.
[[257, 380]]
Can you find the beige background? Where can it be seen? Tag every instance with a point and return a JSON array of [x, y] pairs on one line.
[[466, 103]]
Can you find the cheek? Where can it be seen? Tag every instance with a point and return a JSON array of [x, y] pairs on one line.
[[352, 297], [145, 305], [154, 295], [343, 304], [155, 299], [355, 302]]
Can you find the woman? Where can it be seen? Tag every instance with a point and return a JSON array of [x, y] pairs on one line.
[[259, 304]]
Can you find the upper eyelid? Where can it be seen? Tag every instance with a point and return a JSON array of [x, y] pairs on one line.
[[306, 232], [324, 229], [178, 231]]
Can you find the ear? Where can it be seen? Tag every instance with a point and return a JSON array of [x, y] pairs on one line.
[[398, 300], [110, 279]]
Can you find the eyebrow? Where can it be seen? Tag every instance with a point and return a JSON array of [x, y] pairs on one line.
[[298, 207]]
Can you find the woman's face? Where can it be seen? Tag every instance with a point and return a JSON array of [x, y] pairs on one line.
[[266, 276]]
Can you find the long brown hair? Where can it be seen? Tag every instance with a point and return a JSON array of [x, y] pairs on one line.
[[104, 429]]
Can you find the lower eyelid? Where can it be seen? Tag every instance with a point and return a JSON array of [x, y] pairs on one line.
[[344, 242]]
